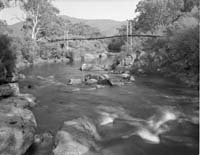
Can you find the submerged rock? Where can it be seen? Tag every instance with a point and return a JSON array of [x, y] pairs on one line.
[[91, 67], [91, 81], [99, 86], [77, 137], [125, 76], [132, 78], [75, 81], [117, 83], [103, 79], [17, 129]]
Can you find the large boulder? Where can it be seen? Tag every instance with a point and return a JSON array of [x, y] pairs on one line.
[[132, 78], [77, 137], [101, 79], [42, 145], [17, 129]]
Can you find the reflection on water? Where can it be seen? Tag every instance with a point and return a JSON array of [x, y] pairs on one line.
[[153, 116]]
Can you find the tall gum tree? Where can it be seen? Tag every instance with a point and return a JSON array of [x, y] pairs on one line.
[[39, 14]]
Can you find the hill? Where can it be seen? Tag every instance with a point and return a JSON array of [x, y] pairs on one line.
[[17, 29], [106, 26]]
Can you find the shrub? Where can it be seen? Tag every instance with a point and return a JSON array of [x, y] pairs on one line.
[[115, 45], [7, 59], [30, 50], [177, 54]]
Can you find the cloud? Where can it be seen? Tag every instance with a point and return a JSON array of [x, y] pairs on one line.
[[97, 9]]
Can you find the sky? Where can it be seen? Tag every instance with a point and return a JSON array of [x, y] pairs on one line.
[[88, 9], [98, 9], [12, 15]]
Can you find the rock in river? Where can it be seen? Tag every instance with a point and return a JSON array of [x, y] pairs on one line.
[[76, 137], [99, 79], [91, 67], [75, 81], [132, 78], [125, 76], [86, 67], [91, 81], [17, 129]]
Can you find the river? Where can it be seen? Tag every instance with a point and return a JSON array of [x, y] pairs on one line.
[[150, 98]]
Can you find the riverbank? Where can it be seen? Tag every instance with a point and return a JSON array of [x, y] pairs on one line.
[[17, 122], [140, 64]]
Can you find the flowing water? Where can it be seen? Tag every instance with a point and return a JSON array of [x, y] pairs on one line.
[[153, 116]]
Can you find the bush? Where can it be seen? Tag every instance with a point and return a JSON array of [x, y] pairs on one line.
[[49, 51], [177, 54], [7, 59], [30, 50], [115, 45]]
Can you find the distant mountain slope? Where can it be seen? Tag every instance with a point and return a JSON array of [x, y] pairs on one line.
[[106, 26], [17, 28]]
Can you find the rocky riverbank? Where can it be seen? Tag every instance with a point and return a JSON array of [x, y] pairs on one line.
[[17, 122]]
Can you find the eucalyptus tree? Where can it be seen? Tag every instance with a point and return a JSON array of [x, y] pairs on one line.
[[39, 14]]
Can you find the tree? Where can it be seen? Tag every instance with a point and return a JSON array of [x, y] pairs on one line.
[[39, 15], [7, 59], [115, 45], [177, 53], [155, 13]]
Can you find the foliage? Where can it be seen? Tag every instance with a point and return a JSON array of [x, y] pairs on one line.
[[39, 14], [26, 49], [153, 13], [115, 45], [177, 53], [174, 54], [7, 58]]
